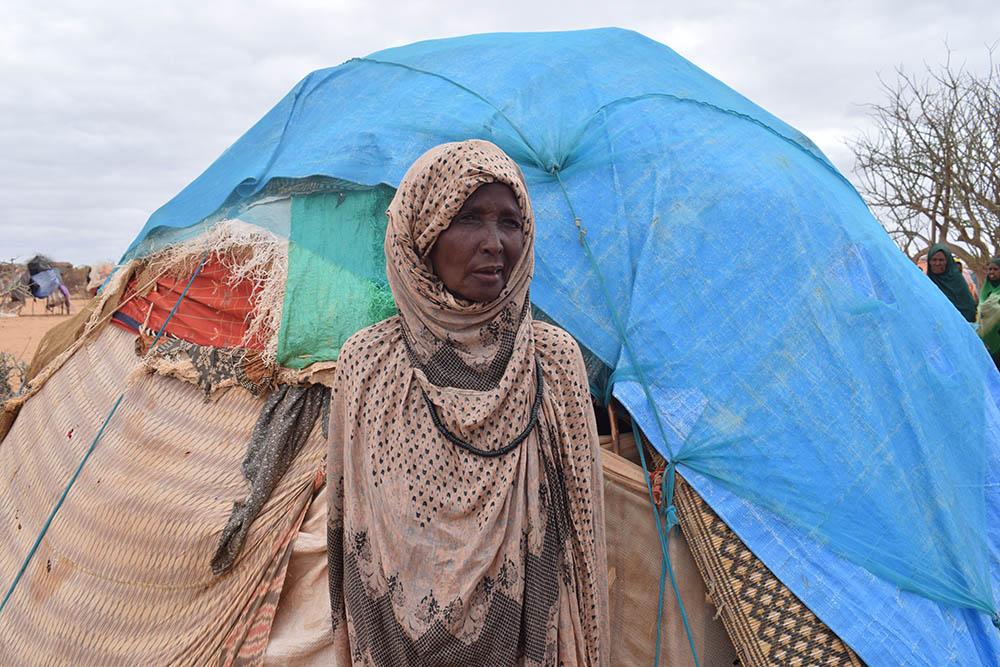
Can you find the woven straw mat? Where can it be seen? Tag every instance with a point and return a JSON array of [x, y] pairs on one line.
[[768, 624]]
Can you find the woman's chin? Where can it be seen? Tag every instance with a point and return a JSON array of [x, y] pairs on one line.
[[481, 290], [478, 296]]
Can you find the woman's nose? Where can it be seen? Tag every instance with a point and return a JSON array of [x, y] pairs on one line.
[[491, 242]]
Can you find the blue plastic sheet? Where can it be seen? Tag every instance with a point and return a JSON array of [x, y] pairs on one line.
[[45, 283], [763, 329]]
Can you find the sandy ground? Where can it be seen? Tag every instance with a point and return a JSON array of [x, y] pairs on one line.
[[20, 335]]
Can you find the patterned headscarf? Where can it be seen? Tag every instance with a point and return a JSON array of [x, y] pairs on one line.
[[456, 342]]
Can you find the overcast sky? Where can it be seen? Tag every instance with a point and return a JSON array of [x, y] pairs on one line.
[[108, 109]]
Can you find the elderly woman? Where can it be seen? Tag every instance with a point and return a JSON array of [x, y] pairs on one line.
[[466, 520], [943, 270]]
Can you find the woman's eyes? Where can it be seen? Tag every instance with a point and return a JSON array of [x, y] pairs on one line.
[[469, 218]]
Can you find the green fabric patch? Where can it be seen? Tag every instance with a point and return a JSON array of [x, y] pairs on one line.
[[336, 273]]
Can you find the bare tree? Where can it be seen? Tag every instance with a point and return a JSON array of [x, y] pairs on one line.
[[931, 168]]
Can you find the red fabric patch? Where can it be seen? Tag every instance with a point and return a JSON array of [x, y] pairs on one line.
[[213, 312]]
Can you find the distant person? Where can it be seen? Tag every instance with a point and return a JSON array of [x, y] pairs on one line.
[[989, 310], [65, 295], [944, 271]]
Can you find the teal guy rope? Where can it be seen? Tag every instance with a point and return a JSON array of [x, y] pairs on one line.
[[667, 494], [665, 564], [496, 108], [633, 359], [90, 450], [664, 554], [48, 521]]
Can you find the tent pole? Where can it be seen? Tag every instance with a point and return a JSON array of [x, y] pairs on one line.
[[614, 430]]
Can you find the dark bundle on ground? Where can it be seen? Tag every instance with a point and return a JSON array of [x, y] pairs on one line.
[[39, 263]]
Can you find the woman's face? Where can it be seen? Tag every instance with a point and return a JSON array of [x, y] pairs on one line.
[[938, 262], [475, 255], [993, 272]]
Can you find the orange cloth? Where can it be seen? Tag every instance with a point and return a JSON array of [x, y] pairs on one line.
[[213, 312]]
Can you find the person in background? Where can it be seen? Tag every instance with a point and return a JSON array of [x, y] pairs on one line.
[[989, 310], [944, 271]]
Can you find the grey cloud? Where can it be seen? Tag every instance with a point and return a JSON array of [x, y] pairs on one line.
[[108, 110]]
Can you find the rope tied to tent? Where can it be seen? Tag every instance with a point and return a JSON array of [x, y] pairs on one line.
[[90, 450], [670, 514], [580, 230], [669, 511]]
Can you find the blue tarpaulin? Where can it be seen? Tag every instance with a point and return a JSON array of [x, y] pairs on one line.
[[44, 283], [817, 390]]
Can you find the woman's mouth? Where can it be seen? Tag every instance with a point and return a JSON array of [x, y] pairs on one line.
[[489, 273]]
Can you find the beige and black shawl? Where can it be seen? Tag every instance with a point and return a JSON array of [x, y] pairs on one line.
[[453, 540]]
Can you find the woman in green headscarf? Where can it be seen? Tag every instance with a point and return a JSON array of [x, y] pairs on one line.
[[989, 310], [943, 270]]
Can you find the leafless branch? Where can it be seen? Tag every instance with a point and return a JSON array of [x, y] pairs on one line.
[[931, 167]]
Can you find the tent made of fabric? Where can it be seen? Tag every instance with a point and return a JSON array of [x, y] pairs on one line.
[[136, 546]]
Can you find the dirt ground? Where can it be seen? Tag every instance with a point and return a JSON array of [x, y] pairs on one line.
[[20, 335]]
